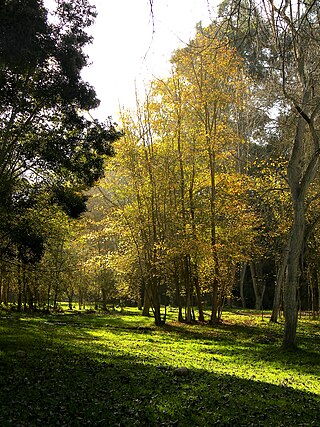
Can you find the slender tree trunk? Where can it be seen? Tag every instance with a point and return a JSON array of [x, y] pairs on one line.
[[24, 287], [210, 135], [19, 288], [276, 302], [55, 299], [318, 294], [80, 302], [178, 296], [214, 308], [139, 299], [1, 286], [243, 270], [258, 282], [198, 292], [5, 293], [279, 285], [156, 307], [70, 301], [188, 287]]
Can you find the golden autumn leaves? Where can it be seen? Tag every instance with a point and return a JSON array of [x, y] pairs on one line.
[[177, 190]]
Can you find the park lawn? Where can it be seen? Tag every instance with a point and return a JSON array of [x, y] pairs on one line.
[[81, 369]]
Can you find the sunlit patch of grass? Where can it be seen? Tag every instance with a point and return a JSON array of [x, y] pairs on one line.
[[118, 369]]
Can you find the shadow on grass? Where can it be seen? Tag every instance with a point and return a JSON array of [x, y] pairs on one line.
[[52, 383], [263, 344], [248, 344]]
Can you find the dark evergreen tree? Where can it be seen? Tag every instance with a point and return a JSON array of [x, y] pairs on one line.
[[47, 143]]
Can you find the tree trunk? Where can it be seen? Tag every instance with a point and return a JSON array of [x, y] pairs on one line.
[[104, 299], [1, 286], [156, 307], [24, 287], [317, 294], [30, 298], [214, 307], [198, 292], [146, 302], [48, 297], [279, 285], [188, 288], [80, 302], [291, 283], [70, 299], [212, 166], [178, 293], [5, 292], [243, 270], [258, 283], [299, 179], [19, 288]]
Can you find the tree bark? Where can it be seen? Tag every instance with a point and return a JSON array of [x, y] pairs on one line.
[[198, 292], [296, 240], [243, 269], [146, 303], [178, 295], [188, 288], [258, 283], [279, 285]]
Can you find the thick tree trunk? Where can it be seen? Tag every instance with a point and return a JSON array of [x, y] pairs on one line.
[[296, 240], [156, 307], [70, 302], [104, 299], [30, 298], [70, 296]]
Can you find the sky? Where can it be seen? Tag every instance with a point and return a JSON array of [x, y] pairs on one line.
[[131, 46]]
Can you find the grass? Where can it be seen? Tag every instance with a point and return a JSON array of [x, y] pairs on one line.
[[76, 369]]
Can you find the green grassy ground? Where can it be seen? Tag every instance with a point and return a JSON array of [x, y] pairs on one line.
[[119, 370]]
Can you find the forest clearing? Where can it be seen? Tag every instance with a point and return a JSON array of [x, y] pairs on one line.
[[86, 369], [184, 241]]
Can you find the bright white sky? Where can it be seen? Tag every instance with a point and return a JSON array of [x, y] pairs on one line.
[[130, 47]]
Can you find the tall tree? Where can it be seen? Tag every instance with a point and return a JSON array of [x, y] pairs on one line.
[[46, 143], [212, 71], [174, 183], [285, 37]]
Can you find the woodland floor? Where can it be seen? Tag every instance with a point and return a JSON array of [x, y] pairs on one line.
[[81, 369]]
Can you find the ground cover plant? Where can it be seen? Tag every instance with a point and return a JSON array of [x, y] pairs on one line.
[[76, 369]]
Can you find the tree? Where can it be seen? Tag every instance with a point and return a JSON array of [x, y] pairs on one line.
[[46, 143], [286, 39], [174, 183], [212, 72]]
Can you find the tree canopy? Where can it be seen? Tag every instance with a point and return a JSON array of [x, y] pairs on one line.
[[47, 143]]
